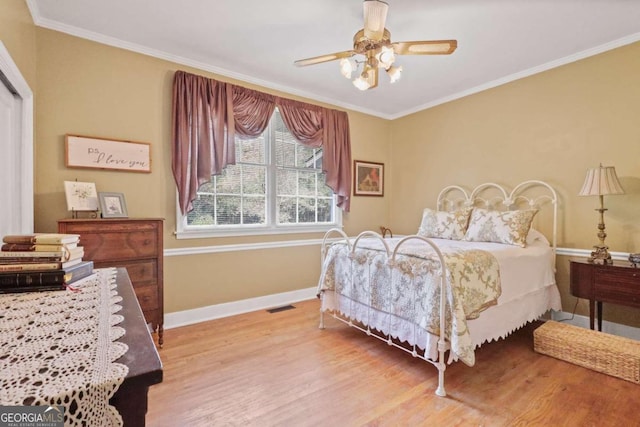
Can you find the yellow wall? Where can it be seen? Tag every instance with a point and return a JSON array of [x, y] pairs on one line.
[[87, 88], [18, 34], [552, 126]]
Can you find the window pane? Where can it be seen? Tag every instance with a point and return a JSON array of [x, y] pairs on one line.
[[253, 180], [208, 187], [250, 150], [323, 189], [305, 157], [285, 154], [286, 210], [228, 210], [203, 211], [324, 210], [287, 182], [229, 182], [254, 210], [301, 210], [306, 210], [306, 183]]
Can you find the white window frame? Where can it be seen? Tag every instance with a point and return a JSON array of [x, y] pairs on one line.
[[184, 231]]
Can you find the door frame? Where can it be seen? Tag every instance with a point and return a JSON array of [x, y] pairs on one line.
[[16, 83]]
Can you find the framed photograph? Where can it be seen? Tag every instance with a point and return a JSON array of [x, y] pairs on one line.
[[112, 205], [368, 178], [81, 196], [101, 153]]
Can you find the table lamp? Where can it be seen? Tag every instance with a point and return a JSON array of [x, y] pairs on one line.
[[601, 181]]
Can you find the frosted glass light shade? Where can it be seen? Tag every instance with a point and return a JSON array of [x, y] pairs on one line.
[[375, 15]]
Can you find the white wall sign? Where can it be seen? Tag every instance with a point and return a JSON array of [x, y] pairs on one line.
[[100, 153]]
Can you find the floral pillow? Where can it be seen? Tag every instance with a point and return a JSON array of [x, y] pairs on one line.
[[444, 225], [510, 227]]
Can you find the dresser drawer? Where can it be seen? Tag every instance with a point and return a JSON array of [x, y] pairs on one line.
[[147, 297], [581, 280], [618, 288], [141, 273], [120, 245]]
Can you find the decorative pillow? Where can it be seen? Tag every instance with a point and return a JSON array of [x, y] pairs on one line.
[[510, 227], [444, 225], [535, 236]]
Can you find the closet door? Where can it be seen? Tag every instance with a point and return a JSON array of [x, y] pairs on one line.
[[10, 164], [16, 149]]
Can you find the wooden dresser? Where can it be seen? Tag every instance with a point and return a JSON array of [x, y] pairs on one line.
[[135, 244]]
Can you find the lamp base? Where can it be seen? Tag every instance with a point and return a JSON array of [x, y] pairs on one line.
[[600, 255]]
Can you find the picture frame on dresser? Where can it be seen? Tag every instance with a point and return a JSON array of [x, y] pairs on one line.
[[113, 205], [81, 196]]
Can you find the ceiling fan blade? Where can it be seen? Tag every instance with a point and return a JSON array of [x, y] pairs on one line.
[[375, 16], [432, 47], [324, 58]]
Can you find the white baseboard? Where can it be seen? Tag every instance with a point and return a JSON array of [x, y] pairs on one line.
[[608, 327], [202, 314]]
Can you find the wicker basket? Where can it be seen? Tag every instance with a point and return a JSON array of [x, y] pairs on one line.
[[609, 354]]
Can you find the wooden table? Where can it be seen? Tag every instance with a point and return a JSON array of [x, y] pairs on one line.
[[617, 283], [145, 367]]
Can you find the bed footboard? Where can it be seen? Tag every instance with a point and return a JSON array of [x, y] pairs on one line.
[[391, 257]]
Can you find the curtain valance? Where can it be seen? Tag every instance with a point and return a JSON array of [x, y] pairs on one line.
[[207, 115]]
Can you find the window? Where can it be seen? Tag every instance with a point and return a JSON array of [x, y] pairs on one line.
[[276, 186]]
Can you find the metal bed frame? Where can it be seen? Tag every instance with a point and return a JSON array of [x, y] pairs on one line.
[[502, 201]]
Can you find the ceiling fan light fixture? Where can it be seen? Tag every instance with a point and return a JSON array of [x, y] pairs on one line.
[[394, 73], [375, 15], [386, 57], [361, 83], [373, 42], [347, 67]]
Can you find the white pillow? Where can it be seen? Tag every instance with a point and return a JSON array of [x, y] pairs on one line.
[[444, 225], [510, 227], [534, 237]]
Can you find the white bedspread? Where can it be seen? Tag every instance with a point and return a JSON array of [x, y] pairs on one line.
[[528, 291]]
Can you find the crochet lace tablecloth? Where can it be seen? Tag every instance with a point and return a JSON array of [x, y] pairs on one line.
[[59, 347]]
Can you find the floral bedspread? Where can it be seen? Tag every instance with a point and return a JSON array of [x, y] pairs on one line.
[[408, 287]]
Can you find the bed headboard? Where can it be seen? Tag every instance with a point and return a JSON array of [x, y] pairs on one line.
[[526, 195]]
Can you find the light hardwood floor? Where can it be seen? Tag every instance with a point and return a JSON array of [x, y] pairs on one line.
[[263, 369]]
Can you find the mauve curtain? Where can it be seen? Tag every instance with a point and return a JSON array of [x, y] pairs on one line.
[[207, 115], [252, 111], [200, 109], [315, 126]]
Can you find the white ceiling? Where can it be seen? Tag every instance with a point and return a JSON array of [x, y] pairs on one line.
[[257, 41]]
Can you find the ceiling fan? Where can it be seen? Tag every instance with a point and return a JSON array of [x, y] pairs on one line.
[[374, 43]]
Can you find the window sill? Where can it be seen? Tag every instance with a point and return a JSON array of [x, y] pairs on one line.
[[263, 231]]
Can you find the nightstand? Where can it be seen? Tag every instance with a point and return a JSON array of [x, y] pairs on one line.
[[617, 283]]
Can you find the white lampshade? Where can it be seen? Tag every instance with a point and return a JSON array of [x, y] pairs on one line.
[[601, 181]]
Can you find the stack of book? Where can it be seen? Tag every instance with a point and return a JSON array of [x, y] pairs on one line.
[[41, 262]]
